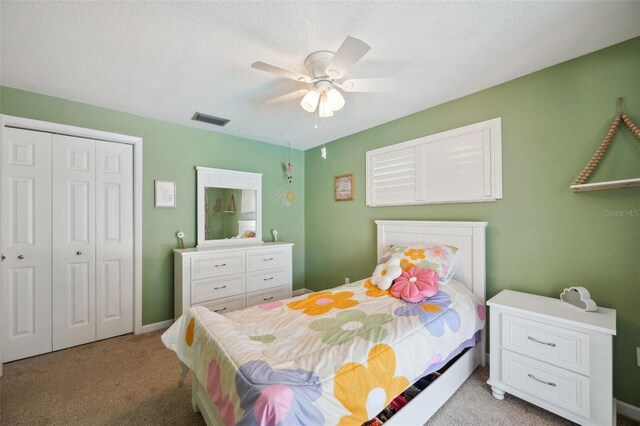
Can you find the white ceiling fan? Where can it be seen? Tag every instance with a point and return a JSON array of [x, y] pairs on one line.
[[325, 69]]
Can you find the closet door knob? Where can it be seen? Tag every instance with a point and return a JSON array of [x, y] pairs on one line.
[[78, 253], [21, 257]]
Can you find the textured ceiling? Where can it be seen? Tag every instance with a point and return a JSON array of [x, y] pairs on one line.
[[168, 59]]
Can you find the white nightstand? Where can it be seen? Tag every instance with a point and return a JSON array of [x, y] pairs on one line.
[[553, 355]]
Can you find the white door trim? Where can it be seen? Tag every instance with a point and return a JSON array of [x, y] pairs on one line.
[[45, 126]]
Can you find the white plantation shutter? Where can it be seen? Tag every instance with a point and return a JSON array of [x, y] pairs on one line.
[[460, 165], [393, 176], [248, 201]]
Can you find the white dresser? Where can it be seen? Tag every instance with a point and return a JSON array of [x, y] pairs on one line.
[[553, 355], [224, 279]]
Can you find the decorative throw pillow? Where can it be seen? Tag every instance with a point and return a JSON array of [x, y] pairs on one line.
[[441, 258], [385, 273], [415, 284]]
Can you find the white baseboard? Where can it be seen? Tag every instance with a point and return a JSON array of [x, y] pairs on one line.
[[628, 410], [156, 326], [301, 291]]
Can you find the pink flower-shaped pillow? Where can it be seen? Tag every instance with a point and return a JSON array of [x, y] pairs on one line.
[[415, 284]]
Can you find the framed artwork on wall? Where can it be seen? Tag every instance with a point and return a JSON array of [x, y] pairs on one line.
[[343, 187], [165, 193]]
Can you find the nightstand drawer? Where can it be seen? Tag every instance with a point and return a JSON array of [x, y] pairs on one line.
[[202, 291], [215, 265], [269, 296], [224, 306], [263, 280], [263, 259], [551, 343], [559, 387]]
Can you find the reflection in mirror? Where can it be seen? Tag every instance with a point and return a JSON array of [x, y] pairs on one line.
[[229, 213], [229, 207]]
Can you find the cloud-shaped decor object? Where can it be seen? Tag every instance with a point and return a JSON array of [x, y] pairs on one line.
[[580, 297]]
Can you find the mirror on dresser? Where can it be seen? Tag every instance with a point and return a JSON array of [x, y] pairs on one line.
[[231, 267], [229, 207]]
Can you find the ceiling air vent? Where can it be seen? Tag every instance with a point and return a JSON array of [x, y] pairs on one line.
[[216, 121]]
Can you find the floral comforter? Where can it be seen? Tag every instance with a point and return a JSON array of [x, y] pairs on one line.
[[332, 357]]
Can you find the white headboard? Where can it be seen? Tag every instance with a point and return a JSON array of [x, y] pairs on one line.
[[469, 236]]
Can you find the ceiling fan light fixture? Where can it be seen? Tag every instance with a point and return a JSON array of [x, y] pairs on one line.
[[310, 101], [324, 108], [335, 99]]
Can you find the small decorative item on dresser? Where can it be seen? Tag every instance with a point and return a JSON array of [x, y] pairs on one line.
[[180, 236], [343, 187], [275, 235], [579, 297]]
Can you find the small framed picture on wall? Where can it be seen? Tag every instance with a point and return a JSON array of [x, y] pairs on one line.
[[165, 193], [343, 187]]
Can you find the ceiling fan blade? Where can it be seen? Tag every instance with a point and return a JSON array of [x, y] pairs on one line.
[[369, 85], [348, 54], [262, 66], [288, 97]]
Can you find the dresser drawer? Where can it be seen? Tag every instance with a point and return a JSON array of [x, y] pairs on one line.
[[266, 279], [215, 265], [263, 259], [202, 291], [560, 387], [225, 305], [268, 296], [551, 343]]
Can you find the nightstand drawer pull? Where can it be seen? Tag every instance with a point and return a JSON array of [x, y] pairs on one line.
[[222, 264], [541, 381], [268, 298], [225, 308], [553, 345], [267, 279], [220, 288], [268, 259]]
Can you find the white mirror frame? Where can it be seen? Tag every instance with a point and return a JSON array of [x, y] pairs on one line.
[[220, 178]]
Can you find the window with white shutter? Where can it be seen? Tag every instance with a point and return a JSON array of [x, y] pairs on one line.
[[456, 166], [248, 201]]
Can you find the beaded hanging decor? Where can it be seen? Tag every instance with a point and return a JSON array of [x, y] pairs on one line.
[[620, 118]]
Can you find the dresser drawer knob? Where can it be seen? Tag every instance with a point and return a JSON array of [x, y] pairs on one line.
[[267, 279], [222, 264], [541, 381], [220, 288], [268, 259], [553, 345], [268, 298], [220, 310]]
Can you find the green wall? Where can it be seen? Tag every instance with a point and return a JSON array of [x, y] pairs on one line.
[[171, 152], [541, 237]]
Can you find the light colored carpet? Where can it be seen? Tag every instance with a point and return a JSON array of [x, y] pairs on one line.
[[133, 380]]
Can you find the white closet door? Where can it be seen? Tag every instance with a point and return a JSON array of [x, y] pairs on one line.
[[26, 243], [114, 235], [74, 241]]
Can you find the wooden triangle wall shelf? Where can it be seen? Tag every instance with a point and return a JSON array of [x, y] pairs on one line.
[[580, 185]]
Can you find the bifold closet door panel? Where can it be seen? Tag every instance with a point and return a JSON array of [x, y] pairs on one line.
[[74, 242], [26, 243], [114, 235]]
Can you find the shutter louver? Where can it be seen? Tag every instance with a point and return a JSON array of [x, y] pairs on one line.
[[393, 176]]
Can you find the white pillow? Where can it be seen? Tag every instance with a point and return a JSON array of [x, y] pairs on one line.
[[385, 273]]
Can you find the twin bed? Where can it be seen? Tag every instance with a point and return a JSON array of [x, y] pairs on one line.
[[340, 356]]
